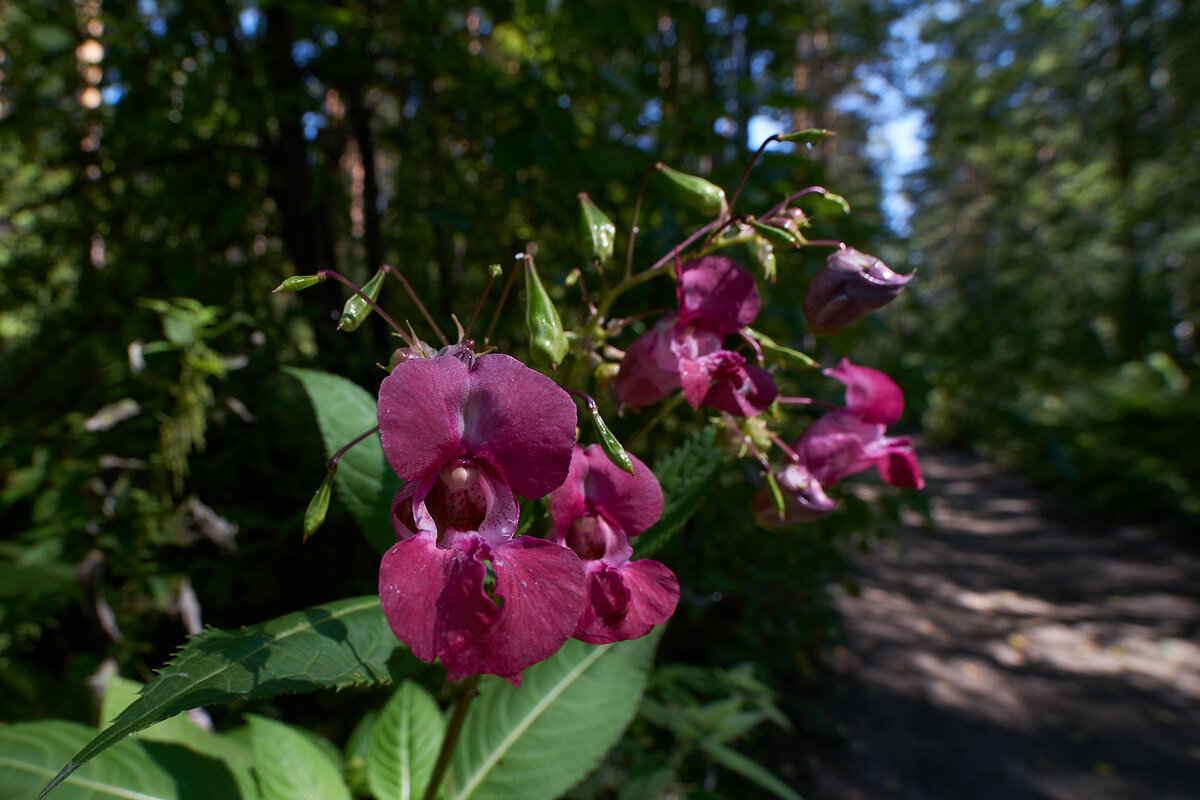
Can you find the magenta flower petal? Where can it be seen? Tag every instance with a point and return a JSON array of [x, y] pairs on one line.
[[743, 391], [849, 285], [835, 445], [523, 420], [649, 372], [897, 462], [718, 295], [632, 502], [433, 598], [435, 602], [870, 394], [498, 410], [541, 586], [421, 414], [626, 602]]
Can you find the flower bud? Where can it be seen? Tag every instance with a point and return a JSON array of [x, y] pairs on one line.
[[598, 231], [705, 197], [314, 515], [547, 341], [609, 443], [298, 282], [849, 285], [357, 309]]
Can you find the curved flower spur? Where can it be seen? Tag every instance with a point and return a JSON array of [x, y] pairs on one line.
[[466, 435]]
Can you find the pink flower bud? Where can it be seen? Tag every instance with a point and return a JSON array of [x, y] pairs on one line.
[[849, 285]]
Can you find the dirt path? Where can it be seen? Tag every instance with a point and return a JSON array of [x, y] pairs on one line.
[[1009, 654]]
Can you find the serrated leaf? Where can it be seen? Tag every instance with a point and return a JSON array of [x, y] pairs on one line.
[[364, 481], [535, 742], [749, 769], [291, 766], [120, 693], [404, 745], [334, 645], [31, 751], [686, 477]]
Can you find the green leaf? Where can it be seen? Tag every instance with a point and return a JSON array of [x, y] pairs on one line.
[[535, 742], [749, 769], [365, 482], [31, 751], [355, 754], [121, 692], [405, 744], [334, 645], [686, 477], [291, 766]]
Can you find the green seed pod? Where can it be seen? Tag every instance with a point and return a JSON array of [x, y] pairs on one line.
[[808, 136], [314, 515], [598, 231], [612, 447], [356, 309], [776, 235], [298, 282], [547, 341], [705, 197]]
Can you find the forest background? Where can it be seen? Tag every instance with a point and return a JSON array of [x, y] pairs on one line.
[[164, 164]]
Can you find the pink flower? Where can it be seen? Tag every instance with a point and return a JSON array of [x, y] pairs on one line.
[[849, 285], [716, 298], [465, 434], [841, 443], [852, 439], [595, 512]]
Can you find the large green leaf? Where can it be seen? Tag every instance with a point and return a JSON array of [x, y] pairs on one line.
[[365, 482], [30, 752], [120, 693], [291, 766], [535, 742], [337, 644], [405, 744], [686, 477]]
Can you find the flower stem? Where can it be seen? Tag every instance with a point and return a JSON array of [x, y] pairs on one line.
[[633, 227], [453, 729], [512, 274], [420, 306], [746, 172], [333, 462]]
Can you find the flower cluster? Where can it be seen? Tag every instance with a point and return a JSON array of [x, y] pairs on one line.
[[468, 434], [716, 298], [842, 442]]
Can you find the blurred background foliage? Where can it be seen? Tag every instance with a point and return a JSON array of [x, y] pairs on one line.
[[164, 164]]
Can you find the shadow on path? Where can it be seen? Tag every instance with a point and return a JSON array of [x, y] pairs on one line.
[[1012, 654]]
